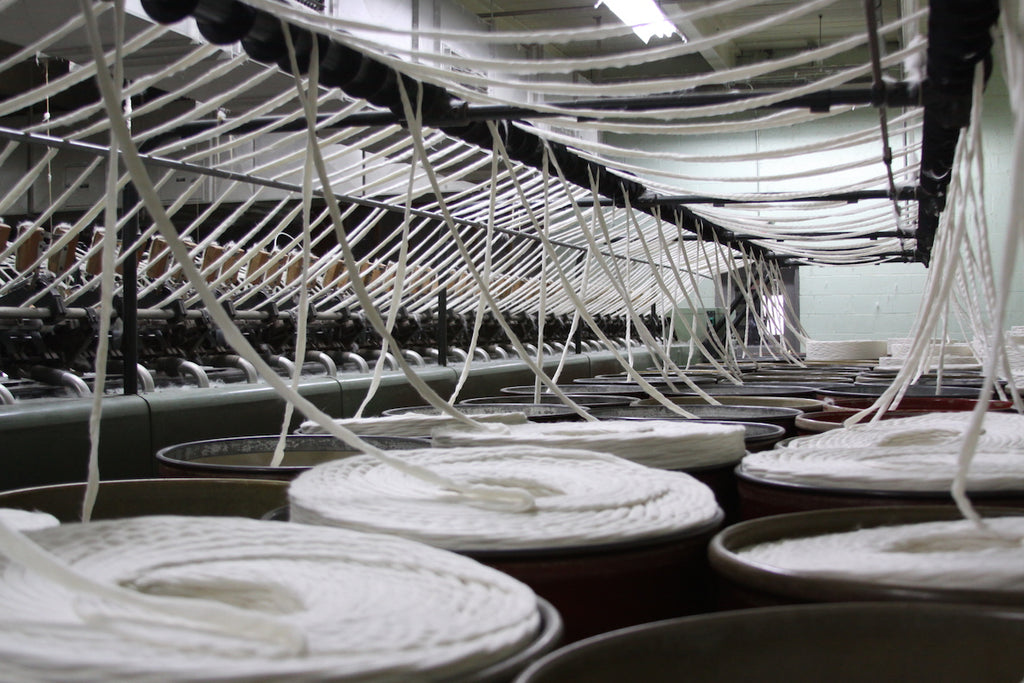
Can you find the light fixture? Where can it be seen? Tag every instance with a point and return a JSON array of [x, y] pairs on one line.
[[643, 16]]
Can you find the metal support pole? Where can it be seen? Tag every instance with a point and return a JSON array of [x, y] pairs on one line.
[[130, 292], [442, 327]]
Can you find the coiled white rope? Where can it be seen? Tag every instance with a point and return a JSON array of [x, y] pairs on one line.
[[666, 444], [360, 606], [854, 349], [919, 453], [580, 498], [25, 520], [999, 431], [885, 469], [942, 555]]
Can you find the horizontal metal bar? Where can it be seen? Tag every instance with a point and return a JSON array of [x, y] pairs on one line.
[[163, 162], [901, 94], [908, 193], [77, 313]]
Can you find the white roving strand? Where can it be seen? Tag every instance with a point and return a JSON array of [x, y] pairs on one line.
[[231, 332], [367, 606], [667, 444], [106, 296], [580, 498], [946, 555]]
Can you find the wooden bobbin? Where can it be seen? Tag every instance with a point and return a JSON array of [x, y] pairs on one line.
[[210, 256], [5, 234], [65, 258], [94, 266], [30, 249], [158, 258]]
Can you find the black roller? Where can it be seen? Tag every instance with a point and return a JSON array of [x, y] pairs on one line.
[[339, 65], [591, 169], [265, 40], [223, 22], [524, 146], [436, 100], [574, 167], [368, 79], [475, 133], [168, 11], [386, 93], [303, 42]]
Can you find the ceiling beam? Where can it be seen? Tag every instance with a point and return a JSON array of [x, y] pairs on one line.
[[719, 57]]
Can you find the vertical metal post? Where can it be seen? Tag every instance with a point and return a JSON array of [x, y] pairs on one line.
[[442, 327], [130, 292]]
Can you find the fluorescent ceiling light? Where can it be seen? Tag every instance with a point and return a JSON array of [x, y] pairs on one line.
[[643, 16]]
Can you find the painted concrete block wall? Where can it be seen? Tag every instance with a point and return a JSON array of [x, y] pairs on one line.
[[879, 302], [860, 302]]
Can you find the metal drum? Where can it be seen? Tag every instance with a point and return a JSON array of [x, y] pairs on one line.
[[585, 400], [599, 588], [785, 417], [930, 404], [743, 583], [759, 497], [620, 389], [853, 643], [876, 390], [807, 405], [547, 639], [251, 498], [827, 420], [657, 380], [759, 389], [803, 379], [251, 456], [534, 412]]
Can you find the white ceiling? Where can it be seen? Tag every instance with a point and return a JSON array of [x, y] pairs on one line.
[[840, 19]]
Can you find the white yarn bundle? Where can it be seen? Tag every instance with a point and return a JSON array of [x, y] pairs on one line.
[[901, 348], [361, 606], [668, 444], [947, 555], [917, 453], [933, 361], [881, 469], [412, 424], [844, 350], [580, 498], [949, 356], [1004, 431], [25, 520]]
